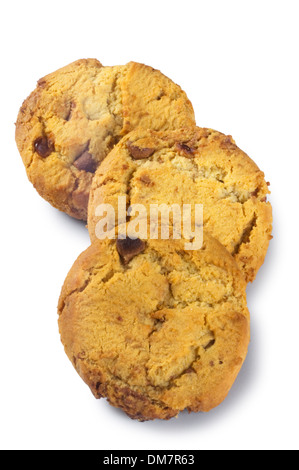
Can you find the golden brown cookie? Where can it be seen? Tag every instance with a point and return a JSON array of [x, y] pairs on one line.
[[191, 166], [77, 114], [154, 328]]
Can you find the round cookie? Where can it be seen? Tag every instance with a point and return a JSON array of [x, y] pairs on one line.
[[154, 328], [191, 166], [75, 116]]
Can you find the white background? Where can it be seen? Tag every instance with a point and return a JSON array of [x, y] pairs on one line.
[[238, 63]]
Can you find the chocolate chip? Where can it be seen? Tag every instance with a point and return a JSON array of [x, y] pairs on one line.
[[128, 248], [42, 82], [254, 193], [185, 149], [86, 163], [210, 344], [44, 146], [145, 179], [228, 144], [139, 153]]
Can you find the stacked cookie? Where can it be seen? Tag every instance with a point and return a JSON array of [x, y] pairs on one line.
[[151, 325]]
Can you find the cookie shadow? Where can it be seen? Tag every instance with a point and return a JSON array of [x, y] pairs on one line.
[[67, 225], [68, 221]]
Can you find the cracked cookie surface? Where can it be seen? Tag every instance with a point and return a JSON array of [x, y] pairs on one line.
[[191, 166], [76, 115], [154, 328]]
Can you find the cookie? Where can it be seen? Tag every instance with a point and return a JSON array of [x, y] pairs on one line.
[[154, 328], [76, 115], [191, 166]]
